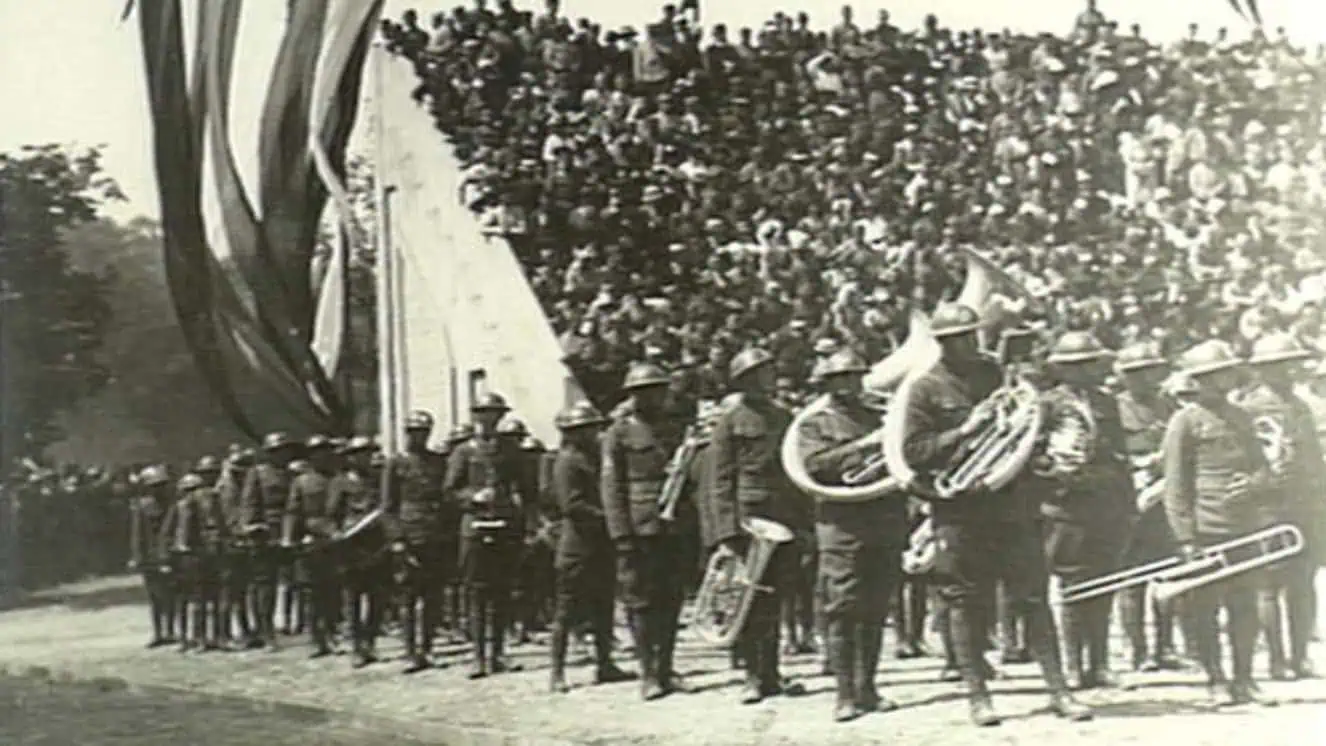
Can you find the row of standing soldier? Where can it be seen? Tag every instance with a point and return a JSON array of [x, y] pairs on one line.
[[1073, 516]]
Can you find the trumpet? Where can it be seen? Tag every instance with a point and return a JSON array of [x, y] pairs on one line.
[[730, 583], [1171, 577]]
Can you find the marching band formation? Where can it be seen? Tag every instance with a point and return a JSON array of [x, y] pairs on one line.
[[1184, 490]]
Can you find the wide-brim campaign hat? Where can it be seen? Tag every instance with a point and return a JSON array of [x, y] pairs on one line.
[[1208, 357], [1077, 347], [1277, 348]]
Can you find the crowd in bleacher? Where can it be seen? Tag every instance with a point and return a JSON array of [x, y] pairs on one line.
[[678, 192]]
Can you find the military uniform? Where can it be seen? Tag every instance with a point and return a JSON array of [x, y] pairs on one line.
[[482, 477], [980, 538], [1214, 472], [308, 525], [1089, 503], [418, 506], [636, 450], [747, 481], [236, 566], [262, 505], [353, 496], [860, 544], [200, 543], [149, 554]]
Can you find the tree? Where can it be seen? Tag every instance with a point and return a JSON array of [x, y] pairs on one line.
[[53, 316]]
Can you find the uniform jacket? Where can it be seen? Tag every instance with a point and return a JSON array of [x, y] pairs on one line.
[[575, 489], [306, 508], [746, 477], [1143, 424], [350, 497], [417, 502], [1296, 487], [264, 495], [635, 454], [200, 526], [481, 463], [844, 524], [149, 520], [1211, 451], [1102, 487]]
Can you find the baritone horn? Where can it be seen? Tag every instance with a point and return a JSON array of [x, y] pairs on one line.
[[1168, 578], [731, 581]]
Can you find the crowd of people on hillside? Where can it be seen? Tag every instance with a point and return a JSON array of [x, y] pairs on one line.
[[677, 193]]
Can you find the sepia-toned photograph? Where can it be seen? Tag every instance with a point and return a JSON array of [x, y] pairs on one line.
[[710, 373]]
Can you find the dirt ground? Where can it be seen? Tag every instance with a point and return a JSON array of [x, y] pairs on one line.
[[69, 640]]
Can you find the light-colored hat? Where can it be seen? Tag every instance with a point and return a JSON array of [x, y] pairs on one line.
[[1208, 357]]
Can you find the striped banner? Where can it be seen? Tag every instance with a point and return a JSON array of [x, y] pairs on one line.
[[238, 263]]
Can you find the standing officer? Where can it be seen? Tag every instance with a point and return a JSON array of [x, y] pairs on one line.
[[201, 538], [747, 480], [637, 448], [1089, 503], [860, 543], [306, 528], [1143, 413], [456, 611], [262, 505], [353, 496], [511, 433], [981, 538], [237, 564], [584, 561], [1294, 498], [147, 553], [416, 504], [483, 477], [1214, 474]]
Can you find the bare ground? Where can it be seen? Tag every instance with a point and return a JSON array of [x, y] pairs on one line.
[[69, 640]]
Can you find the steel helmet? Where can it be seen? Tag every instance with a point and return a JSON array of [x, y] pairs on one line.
[[645, 375], [357, 444], [153, 475], [460, 433], [952, 319], [276, 440], [419, 420], [1139, 356], [207, 465], [489, 401], [1208, 357], [1076, 347], [318, 442], [533, 444], [580, 414], [190, 482], [512, 426], [1279, 347], [747, 361], [843, 362]]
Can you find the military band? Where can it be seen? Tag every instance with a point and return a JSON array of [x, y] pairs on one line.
[[631, 505]]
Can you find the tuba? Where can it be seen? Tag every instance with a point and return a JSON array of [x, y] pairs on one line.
[[879, 475], [1012, 414], [731, 582]]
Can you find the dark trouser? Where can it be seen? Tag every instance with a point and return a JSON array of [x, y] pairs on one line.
[[1149, 542], [537, 582], [1238, 597], [366, 585], [584, 590], [653, 590], [1012, 624], [265, 565], [758, 641], [236, 576], [912, 607], [1291, 582], [488, 563], [293, 580], [420, 592], [859, 581], [975, 554], [323, 597], [201, 577], [160, 584], [799, 601], [1079, 550]]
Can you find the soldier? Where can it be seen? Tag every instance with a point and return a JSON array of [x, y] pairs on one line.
[[417, 506], [584, 562], [1294, 498], [199, 543], [981, 538], [637, 447], [484, 479], [1143, 413], [262, 507], [306, 529], [353, 497], [747, 480], [1089, 502], [511, 433], [537, 572], [1214, 470], [456, 611], [697, 493], [236, 570], [148, 516], [860, 543]]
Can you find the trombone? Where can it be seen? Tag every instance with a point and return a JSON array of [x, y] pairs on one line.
[[1169, 578]]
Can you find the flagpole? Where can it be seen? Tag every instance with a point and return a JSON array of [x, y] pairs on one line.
[[388, 422]]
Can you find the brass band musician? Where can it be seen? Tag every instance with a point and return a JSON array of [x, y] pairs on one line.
[[1214, 474], [860, 543]]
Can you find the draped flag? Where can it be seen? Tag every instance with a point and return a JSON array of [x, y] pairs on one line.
[[238, 263]]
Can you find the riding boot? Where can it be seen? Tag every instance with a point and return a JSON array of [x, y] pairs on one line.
[[560, 635], [870, 638], [1045, 646], [1272, 625], [968, 641], [1098, 646], [842, 650]]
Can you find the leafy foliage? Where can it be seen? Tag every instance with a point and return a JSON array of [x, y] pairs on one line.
[[53, 316]]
